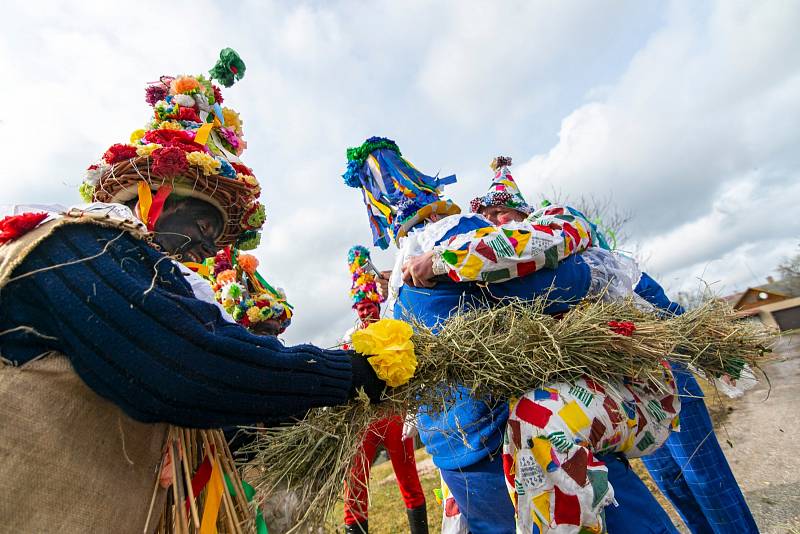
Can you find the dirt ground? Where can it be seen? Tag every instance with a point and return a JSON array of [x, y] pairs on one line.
[[763, 434]]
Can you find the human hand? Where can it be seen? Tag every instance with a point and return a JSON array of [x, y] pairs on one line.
[[364, 377], [383, 283], [418, 271]]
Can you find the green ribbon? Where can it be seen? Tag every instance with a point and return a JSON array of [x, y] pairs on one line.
[[249, 493]]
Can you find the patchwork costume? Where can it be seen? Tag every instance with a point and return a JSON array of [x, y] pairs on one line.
[[719, 500], [105, 344], [388, 431]]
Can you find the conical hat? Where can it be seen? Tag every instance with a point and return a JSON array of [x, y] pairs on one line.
[[190, 146], [503, 190]]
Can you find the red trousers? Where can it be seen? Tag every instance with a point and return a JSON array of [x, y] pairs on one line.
[[388, 431]]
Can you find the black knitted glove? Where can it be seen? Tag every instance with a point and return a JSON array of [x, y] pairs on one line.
[[364, 376]]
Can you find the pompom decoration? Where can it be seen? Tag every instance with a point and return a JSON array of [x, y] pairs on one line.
[[244, 293], [391, 352], [217, 94], [155, 92], [500, 161], [169, 161], [248, 240], [14, 226], [248, 263], [226, 276], [229, 68], [86, 191], [119, 152], [364, 282]]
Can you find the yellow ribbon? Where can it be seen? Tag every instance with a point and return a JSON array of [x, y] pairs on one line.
[[213, 500], [199, 268], [145, 200], [203, 132]]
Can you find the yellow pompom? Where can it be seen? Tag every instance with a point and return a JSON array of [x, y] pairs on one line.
[[146, 150], [136, 135], [388, 342]]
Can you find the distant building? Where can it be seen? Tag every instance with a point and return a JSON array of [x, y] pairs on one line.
[[776, 303]]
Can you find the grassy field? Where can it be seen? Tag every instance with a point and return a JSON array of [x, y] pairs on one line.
[[388, 515]]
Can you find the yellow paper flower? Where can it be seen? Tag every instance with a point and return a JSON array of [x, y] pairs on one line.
[[232, 120], [170, 125], [388, 343], [136, 135], [207, 163], [146, 150], [254, 314]]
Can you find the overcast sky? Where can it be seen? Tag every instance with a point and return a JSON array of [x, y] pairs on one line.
[[685, 113]]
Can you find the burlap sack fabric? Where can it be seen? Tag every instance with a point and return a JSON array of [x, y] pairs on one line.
[[70, 461]]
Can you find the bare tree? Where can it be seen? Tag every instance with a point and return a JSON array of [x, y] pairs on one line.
[[789, 270], [610, 219]]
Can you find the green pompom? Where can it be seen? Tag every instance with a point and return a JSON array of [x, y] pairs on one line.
[[229, 68], [248, 240], [86, 191]]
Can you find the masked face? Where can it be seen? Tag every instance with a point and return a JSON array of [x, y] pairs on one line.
[[500, 215], [368, 311], [269, 327], [189, 227]]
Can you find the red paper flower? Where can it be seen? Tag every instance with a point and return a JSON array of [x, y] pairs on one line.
[[163, 137], [119, 152], [188, 114], [187, 146], [242, 169], [623, 328], [177, 138], [169, 161], [13, 226], [217, 94]]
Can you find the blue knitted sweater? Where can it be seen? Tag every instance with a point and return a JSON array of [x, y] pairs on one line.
[[134, 332]]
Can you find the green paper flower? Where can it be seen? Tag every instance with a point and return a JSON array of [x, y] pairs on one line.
[[229, 68], [87, 192]]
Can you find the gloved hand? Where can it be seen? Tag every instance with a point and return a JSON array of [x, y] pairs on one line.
[[364, 376], [410, 429]]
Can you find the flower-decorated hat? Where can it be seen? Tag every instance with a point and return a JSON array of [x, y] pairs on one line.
[[397, 195], [190, 146], [242, 291], [364, 285], [503, 191]]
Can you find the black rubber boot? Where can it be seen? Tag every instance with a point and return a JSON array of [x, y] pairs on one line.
[[418, 520], [357, 528]]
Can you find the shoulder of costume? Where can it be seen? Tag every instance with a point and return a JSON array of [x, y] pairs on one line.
[[14, 251]]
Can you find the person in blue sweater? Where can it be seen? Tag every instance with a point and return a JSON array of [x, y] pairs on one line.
[[107, 339], [405, 206]]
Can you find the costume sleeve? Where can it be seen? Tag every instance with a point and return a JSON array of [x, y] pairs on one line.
[[652, 292], [497, 254], [129, 323]]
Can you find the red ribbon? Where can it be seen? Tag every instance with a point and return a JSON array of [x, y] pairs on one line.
[[623, 328], [158, 206]]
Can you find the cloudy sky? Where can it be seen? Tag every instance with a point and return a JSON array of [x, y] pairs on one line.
[[685, 114]]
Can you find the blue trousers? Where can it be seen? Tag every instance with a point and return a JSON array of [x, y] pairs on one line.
[[482, 497], [692, 472], [638, 511]]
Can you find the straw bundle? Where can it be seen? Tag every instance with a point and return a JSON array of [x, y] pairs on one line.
[[216, 501], [506, 352]]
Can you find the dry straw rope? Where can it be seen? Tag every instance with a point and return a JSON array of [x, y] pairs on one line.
[[504, 352]]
